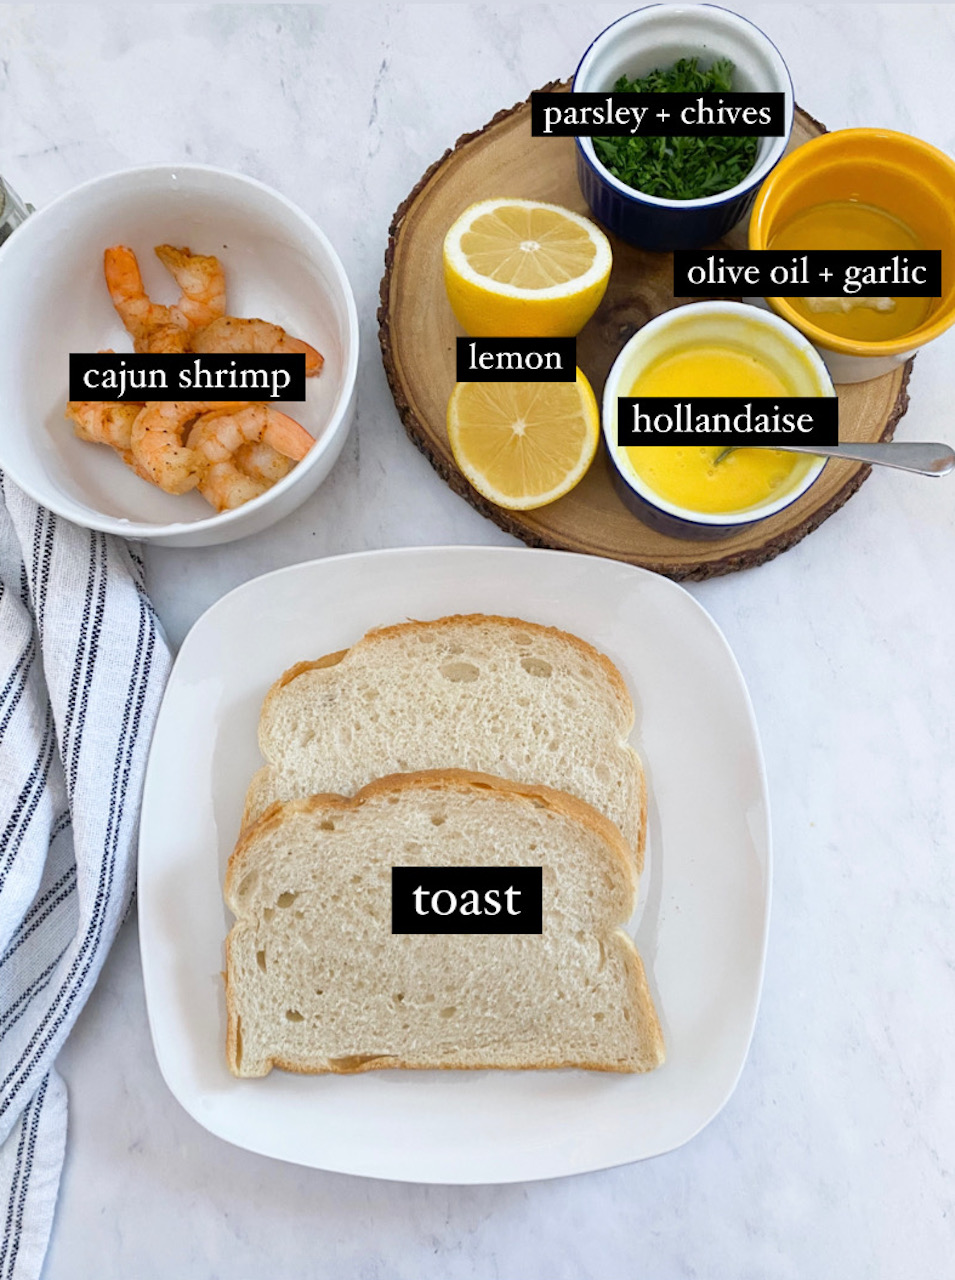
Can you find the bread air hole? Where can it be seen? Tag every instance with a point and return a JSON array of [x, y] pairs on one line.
[[326, 825], [293, 1015], [286, 899], [449, 1011], [521, 637], [438, 819], [537, 667], [460, 672], [248, 884], [260, 960]]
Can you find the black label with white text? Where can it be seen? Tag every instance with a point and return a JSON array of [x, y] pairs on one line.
[[819, 273], [516, 359], [110, 376], [658, 115], [467, 899], [728, 420]]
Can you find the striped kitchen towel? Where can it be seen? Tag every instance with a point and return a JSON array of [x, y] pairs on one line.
[[83, 663]]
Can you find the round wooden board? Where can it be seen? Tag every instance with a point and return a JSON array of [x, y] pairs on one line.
[[417, 332]]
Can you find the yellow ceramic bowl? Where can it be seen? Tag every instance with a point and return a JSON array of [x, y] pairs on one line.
[[909, 179]]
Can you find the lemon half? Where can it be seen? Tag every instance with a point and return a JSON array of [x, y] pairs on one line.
[[523, 444], [524, 269]]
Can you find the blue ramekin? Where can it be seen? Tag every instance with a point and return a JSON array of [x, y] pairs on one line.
[[659, 36], [706, 322]]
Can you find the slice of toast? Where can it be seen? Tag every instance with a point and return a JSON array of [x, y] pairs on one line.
[[497, 695], [317, 982]]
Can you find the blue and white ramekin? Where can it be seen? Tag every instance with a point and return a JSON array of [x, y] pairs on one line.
[[705, 323], [659, 36]]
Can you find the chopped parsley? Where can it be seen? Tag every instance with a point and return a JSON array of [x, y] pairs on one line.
[[679, 168]]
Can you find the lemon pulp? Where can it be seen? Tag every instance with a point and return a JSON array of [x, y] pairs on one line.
[[528, 247], [523, 444], [523, 268]]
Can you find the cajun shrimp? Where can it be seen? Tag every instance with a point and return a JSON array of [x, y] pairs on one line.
[[157, 441], [104, 421], [230, 334], [154, 327], [261, 462], [202, 283], [233, 445]]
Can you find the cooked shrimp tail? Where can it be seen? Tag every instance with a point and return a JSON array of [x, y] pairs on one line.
[[230, 334], [313, 359], [219, 435], [202, 281]]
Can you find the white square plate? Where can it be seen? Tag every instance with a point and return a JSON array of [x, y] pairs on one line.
[[701, 924]]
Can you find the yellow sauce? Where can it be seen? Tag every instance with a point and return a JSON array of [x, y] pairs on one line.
[[708, 369], [850, 224], [686, 475]]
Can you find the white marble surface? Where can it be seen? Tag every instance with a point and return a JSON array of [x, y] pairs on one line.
[[836, 1155]]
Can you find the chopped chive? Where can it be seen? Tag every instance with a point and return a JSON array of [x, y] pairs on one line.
[[679, 168]]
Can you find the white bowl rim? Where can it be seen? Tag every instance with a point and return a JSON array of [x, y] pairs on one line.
[[611, 391], [141, 530], [756, 175]]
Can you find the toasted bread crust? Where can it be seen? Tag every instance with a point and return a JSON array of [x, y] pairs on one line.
[[434, 780], [472, 619]]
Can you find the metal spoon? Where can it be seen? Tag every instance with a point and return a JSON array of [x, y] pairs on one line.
[[925, 459]]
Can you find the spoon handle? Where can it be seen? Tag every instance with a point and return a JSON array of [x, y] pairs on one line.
[[925, 459]]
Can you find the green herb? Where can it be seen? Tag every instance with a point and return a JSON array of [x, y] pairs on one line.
[[679, 168]]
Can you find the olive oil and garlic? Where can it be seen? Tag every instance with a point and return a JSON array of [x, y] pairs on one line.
[[856, 226]]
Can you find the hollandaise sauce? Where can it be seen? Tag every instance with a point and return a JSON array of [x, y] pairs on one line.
[[850, 224], [688, 475]]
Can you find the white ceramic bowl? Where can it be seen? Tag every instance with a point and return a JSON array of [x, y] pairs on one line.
[[751, 327], [279, 266]]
